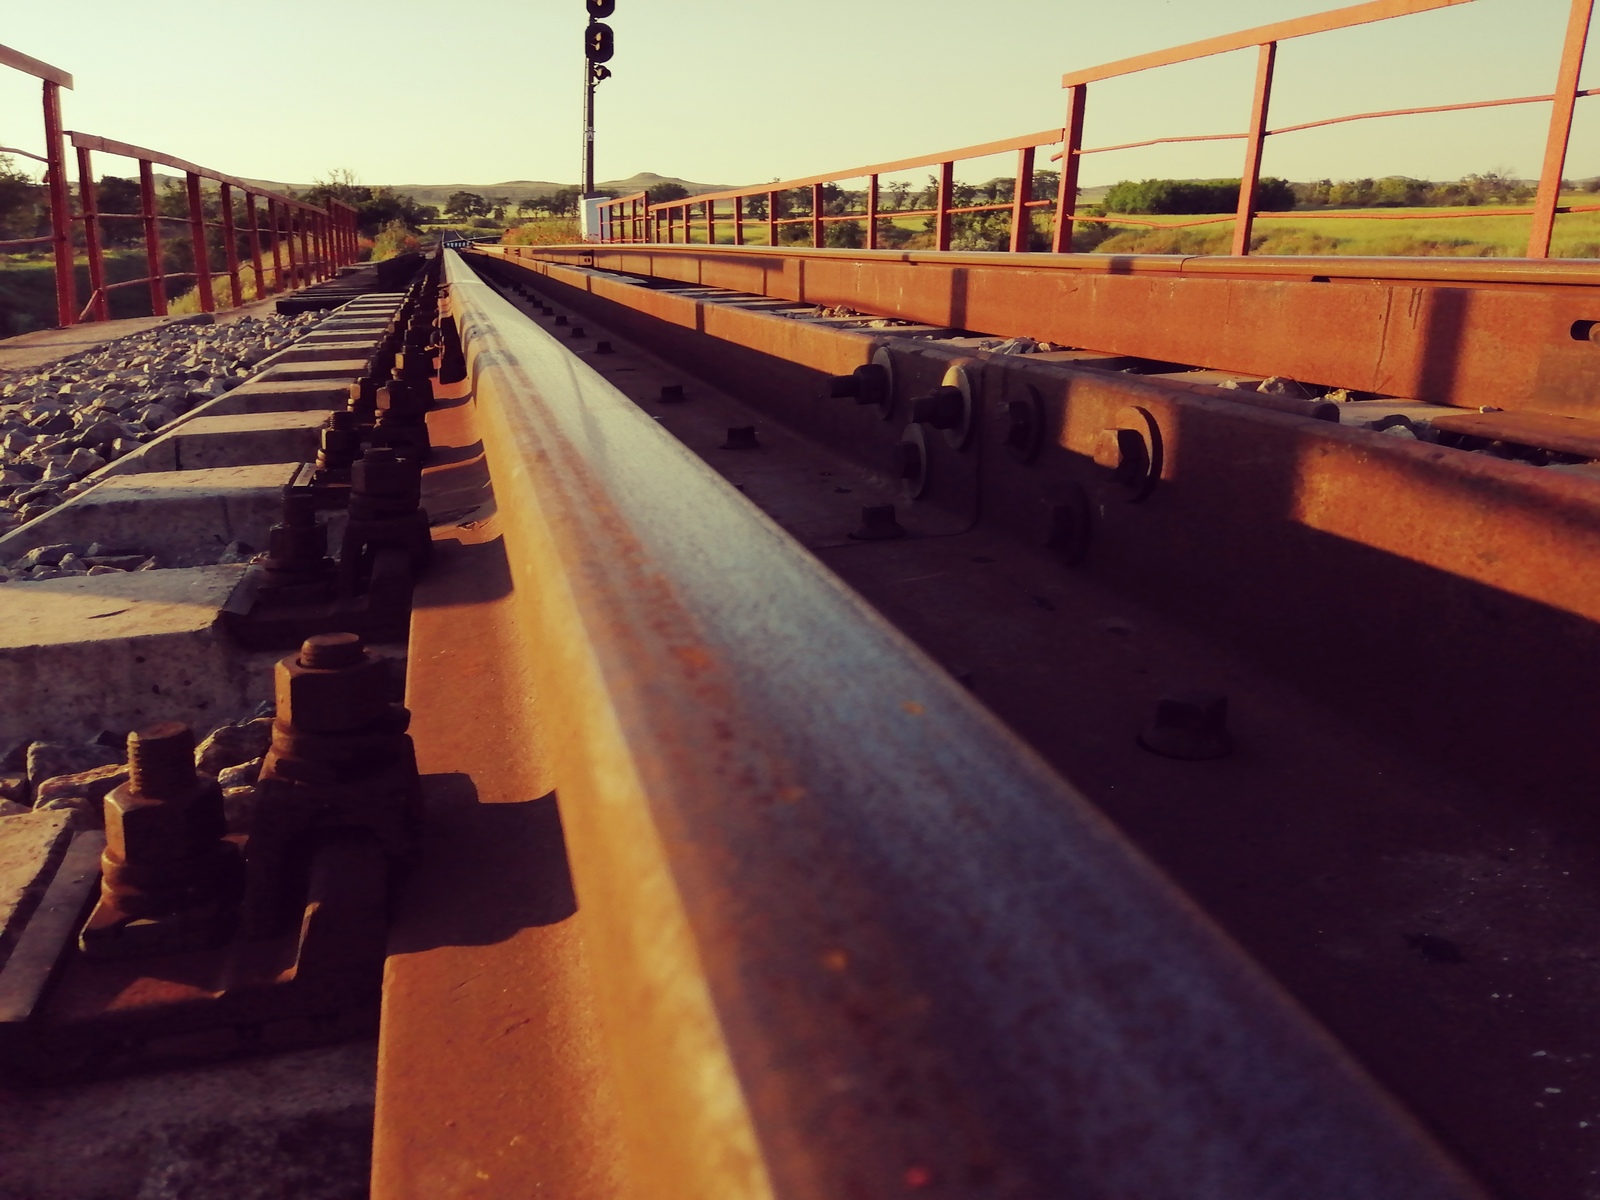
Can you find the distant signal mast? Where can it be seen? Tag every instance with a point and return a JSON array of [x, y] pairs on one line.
[[598, 47]]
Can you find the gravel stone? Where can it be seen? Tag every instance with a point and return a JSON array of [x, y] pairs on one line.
[[61, 423], [82, 794], [47, 760], [233, 744]]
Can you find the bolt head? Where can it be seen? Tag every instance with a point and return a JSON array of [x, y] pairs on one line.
[[1189, 725]]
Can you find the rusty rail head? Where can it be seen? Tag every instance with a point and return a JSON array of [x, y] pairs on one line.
[[849, 937]]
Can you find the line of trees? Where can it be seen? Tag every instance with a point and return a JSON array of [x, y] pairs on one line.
[[25, 208], [1400, 191]]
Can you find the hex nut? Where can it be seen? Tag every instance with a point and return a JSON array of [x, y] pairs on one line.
[[314, 700], [140, 829]]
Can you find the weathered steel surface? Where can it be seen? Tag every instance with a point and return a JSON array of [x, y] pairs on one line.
[[1451, 333], [1464, 549], [848, 936]]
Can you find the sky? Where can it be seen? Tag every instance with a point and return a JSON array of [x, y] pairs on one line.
[[484, 91]]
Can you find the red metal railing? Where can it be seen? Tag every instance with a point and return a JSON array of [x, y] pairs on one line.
[[662, 221], [327, 236]]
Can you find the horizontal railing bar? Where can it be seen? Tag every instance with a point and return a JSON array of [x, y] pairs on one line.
[[29, 65], [25, 154], [1406, 112], [105, 145], [33, 241], [1044, 137], [1325, 22], [1160, 141]]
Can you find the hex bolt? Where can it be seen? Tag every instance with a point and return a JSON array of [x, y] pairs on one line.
[[1190, 725], [331, 651], [867, 384], [161, 760], [602, 347], [561, 319], [943, 408], [878, 524], [672, 393], [577, 332], [741, 437], [1132, 450]]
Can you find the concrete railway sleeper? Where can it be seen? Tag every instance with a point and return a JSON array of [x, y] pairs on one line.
[[725, 745]]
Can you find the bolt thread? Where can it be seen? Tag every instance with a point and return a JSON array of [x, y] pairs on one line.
[[331, 651], [161, 760]]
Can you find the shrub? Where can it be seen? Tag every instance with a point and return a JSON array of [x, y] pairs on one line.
[[393, 240], [1194, 196], [559, 231]]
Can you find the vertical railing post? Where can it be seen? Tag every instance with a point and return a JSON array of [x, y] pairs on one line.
[[1555, 147], [738, 220], [1255, 139], [89, 204], [290, 216], [1021, 195], [672, 233], [1071, 160], [307, 267], [711, 222], [872, 212], [152, 239], [197, 232], [254, 215], [818, 238], [230, 244], [941, 216], [60, 206], [772, 218], [274, 224], [650, 230]]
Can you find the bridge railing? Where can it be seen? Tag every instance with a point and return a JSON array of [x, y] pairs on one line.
[[54, 159], [675, 220], [327, 236]]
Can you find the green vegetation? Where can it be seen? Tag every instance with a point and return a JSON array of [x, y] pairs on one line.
[[1190, 196]]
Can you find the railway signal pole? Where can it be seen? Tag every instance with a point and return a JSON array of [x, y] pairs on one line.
[[597, 50]]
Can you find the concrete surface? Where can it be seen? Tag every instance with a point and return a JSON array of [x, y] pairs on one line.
[[185, 518], [91, 653], [278, 395], [305, 351], [248, 439], [31, 847], [292, 1127], [343, 369]]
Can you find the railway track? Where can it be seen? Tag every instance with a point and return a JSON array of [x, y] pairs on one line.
[[984, 766]]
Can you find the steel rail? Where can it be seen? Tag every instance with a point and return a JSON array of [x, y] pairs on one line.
[[848, 935]]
